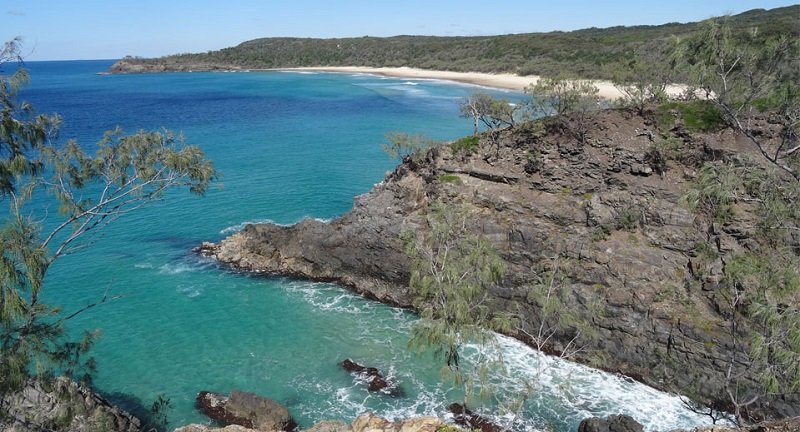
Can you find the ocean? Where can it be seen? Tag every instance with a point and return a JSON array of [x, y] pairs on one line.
[[290, 146]]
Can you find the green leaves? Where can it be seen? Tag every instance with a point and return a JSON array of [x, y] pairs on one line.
[[450, 271], [714, 192], [402, 144], [559, 96]]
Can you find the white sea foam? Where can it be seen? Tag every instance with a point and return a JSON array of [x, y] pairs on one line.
[[184, 267], [189, 291], [329, 297], [586, 392], [238, 227], [143, 266], [411, 83]]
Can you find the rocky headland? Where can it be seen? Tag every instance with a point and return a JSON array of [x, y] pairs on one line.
[[604, 212]]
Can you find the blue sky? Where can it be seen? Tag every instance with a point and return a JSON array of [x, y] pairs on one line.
[[107, 29]]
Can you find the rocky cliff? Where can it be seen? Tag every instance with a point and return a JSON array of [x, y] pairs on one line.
[[62, 405], [603, 212]]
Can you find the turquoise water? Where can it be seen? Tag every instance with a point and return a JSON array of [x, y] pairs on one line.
[[290, 146]]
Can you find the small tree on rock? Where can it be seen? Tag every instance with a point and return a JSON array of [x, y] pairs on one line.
[[450, 271]]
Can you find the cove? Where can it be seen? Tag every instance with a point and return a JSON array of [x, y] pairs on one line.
[[290, 146]]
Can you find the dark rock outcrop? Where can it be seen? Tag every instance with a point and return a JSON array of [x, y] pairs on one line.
[[618, 233], [245, 409], [464, 417], [372, 376], [614, 423], [62, 405]]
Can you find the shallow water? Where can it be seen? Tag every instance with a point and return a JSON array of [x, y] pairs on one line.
[[290, 146]]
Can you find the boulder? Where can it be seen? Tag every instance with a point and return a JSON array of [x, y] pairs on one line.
[[614, 423], [245, 409]]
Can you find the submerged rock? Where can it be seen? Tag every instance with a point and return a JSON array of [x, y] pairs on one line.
[[376, 382], [245, 409], [463, 416]]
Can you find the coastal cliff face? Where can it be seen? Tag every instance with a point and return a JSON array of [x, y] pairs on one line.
[[597, 212], [63, 405]]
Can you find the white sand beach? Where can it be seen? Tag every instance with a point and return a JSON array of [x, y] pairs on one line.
[[502, 81]]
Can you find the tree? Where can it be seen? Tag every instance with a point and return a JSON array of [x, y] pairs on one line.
[[648, 72], [450, 271], [91, 190], [569, 103], [759, 294], [745, 75], [494, 113], [559, 96], [402, 144]]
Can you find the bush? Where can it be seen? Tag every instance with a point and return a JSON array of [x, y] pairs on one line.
[[449, 178], [696, 115], [467, 144]]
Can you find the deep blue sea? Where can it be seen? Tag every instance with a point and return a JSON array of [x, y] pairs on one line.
[[290, 146]]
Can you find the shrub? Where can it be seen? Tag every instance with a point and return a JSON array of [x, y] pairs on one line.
[[450, 178], [696, 115], [467, 144]]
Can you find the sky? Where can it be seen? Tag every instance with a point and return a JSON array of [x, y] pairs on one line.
[[111, 29]]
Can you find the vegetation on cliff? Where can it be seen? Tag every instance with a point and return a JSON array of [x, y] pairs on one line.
[[589, 53]]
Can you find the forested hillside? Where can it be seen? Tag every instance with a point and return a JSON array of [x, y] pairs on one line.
[[588, 53]]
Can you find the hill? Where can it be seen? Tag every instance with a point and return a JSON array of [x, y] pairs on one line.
[[592, 53]]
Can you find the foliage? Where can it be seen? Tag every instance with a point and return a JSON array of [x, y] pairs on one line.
[[760, 289], [492, 112], [21, 129], [629, 218], [591, 53], [92, 190], [648, 72], [549, 293], [157, 418], [765, 290], [743, 73], [714, 192], [450, 271], [558, 96], [402, 144], [695, 115], [466, 144], [450, 178]]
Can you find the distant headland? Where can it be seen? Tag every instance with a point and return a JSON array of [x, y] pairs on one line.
[[593, 53]]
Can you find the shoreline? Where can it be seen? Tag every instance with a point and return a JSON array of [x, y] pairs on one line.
[[503, 81]]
